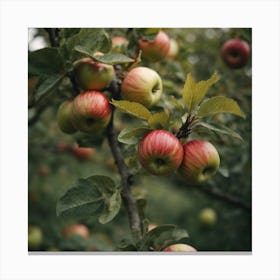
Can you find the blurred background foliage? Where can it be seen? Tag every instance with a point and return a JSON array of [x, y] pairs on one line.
[[53, 164]]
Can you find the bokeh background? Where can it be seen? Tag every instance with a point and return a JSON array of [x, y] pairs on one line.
[[54, 162]]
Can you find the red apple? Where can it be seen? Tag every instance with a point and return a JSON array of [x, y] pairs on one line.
[[76, 230], [83, 153], [160, 152], [91, 111], [93, 75], [180, 248], [119, 44], [157, 49], [64, 117], [200, 161], [142, 85], [235, 53]]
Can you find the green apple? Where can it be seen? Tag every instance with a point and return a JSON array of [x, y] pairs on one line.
[[35, 237], [142, 85], [64, 117], [208, 216]]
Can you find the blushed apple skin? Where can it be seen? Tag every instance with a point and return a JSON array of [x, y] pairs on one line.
[[91, 111], [157, 49], [119, 44], [173, 49], [180, 248], [200, 161], [64, 117], [76, 230], [160, 152], [142, 85], [91, 75], [235, 53], [83, 153]]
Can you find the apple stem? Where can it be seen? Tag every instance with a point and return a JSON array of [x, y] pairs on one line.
[[186, 128]]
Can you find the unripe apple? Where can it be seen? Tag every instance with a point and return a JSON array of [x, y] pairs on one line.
[[160, 152], [76, 230], [93, 75], [83, 153], [35, 237], [173, 49], [180, 248], [200, 161], [235, 53], [91, 111], [142, 85], [64, 117], [157, 49], [119, 44], [208, 216]]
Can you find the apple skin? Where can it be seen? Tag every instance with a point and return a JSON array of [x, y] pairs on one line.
[[91, 75], [76, 230], [200, 161], [235, 53], [160, 152], [91, 112], [35, 237], [157, 49], [142, 85], [119, 44], [180, 248], [208, 216], [173, 49], [83, 153], [64, 117]]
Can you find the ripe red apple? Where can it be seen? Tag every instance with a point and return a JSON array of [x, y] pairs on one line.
[[160, 152], [173, 49], [35, 237], [180, 248], [91, 111], [119, 44], [83, 153], [200, 161], [157, 49], [235, 53], [76, 230], [142, 85], [64, 117], [208, 216], [93, 75]]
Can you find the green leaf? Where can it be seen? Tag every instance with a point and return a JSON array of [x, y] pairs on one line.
[[113, 59], [132, 136], [94, 196], [46, 61], [48, 84], [69, 32], [148, 33], [223, 130], [177, 104], [163, 236], [159, 120], [194, 92], [219, 104], [91, 39], [132, 108]]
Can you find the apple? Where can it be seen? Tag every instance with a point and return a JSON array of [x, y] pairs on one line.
[[62, 147], [160, 152], [83, 153], [180, 248], [142, 85], [157, 49], [76, 230], [235, 53], [173, 49], [91, 111], [64, 117], [44, 170], [119, 44], [200, 161], [207, 216], [93, 75], [35, 237]]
